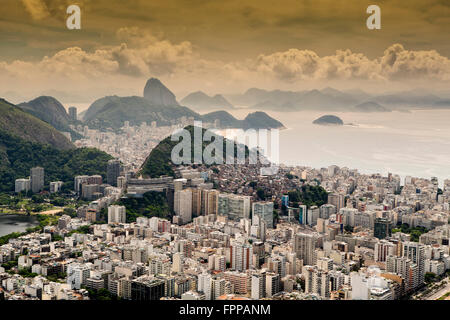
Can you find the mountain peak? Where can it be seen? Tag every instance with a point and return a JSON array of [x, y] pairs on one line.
[[158, 94]]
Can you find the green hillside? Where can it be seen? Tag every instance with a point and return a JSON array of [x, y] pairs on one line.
[[18, 156], [18, 123], [50, 110], [97, 106], [159, 162], [136, 110]]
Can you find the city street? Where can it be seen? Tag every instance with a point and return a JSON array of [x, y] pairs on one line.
[[436, 294]]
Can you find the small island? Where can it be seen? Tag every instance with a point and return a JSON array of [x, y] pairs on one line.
[[329, 120]]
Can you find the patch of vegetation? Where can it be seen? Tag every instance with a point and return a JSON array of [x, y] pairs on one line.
[[101, 294], [430, 277], [444, 296], [82, 230], [415, 232], [348, 228], [26, 273], [10, 264], [309, 196], [152, 204]]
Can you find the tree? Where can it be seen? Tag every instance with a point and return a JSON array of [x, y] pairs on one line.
[[355, 268], [309, 195], [430, 277], [70, 212], [152, 204], [56, 237], [275, 216], [261, 194], [348, 228]]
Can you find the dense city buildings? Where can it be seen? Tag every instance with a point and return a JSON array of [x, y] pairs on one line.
[[367, 237]]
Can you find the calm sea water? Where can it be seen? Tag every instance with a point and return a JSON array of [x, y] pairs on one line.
[[415, 143], [15, 223]]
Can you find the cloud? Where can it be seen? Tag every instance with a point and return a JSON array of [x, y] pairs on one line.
[[397, 63], [139, 55], [36, 8]]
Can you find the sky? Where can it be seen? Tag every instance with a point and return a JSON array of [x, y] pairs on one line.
[[220, 46]]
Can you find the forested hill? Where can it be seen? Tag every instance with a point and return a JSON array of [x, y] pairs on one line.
[[18, 156], [17, 122], [159, 162]]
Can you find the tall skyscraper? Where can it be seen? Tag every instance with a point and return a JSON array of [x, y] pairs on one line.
[[177, 262], [204, 284], [37, 179], [304, 246], [233, 206], [416, 253], [336, 200], [273, 281], [285, 200], [327, 210], [258, 285], [241, 256], [73, 114], [382, 228], [183, 205], [196, 202], [264, 210], [209, 201], [302, 214], [113, 172], [117, 214]]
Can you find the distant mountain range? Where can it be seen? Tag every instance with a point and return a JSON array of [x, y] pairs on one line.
[[370, 106], [330, 99], [201, 101], [159, 104]]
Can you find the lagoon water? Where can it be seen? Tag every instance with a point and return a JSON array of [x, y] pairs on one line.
[[15, 223]]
